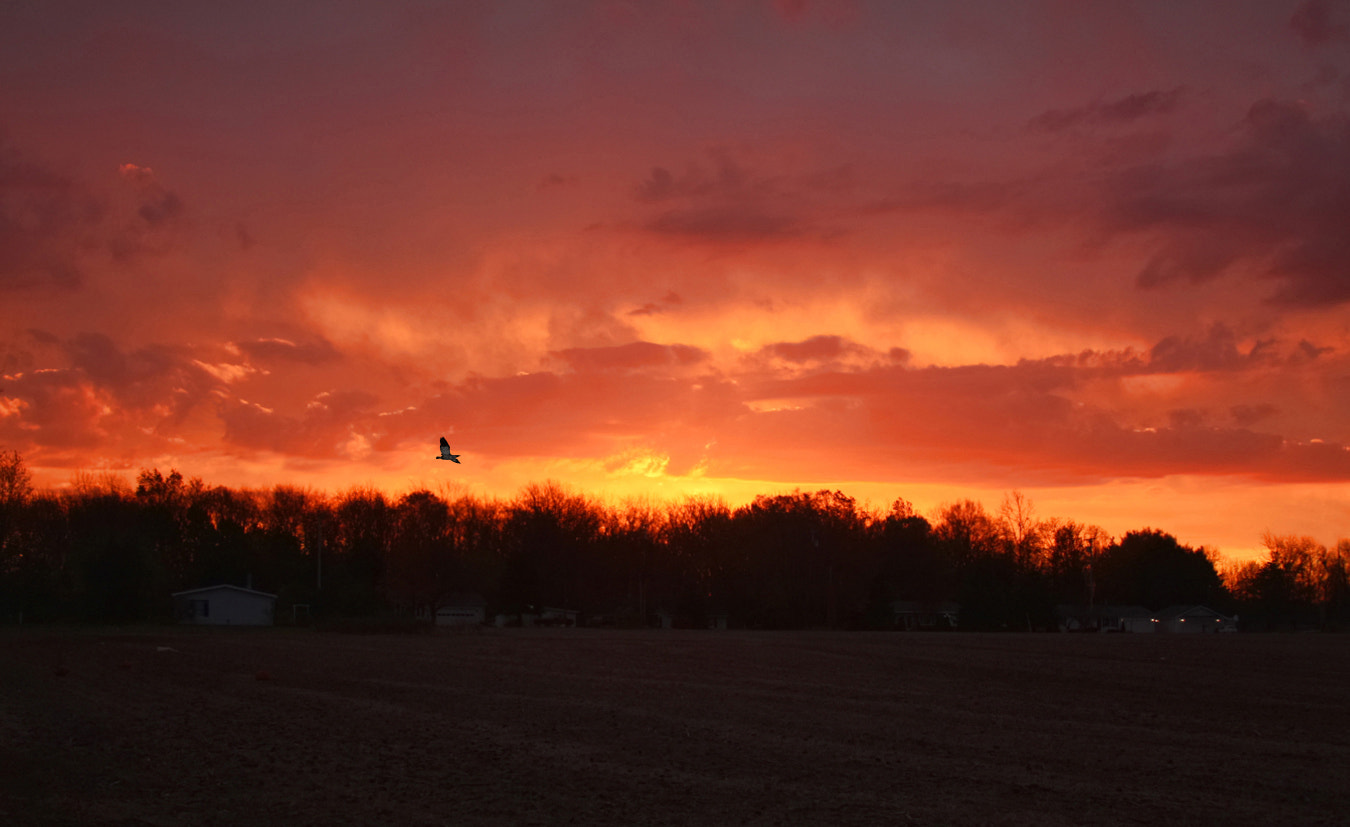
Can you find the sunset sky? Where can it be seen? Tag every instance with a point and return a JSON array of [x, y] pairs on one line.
[[1098, 252]]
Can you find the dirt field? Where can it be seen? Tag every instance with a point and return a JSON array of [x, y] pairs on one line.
[[293, 727]]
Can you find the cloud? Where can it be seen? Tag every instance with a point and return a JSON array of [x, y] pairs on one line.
[[723, 199], [156, 213], [332, 423], [633, 356], [1071, 418], [729, 179], [556, 180], [1273, 205], [1312, 22], [154, 377], [123, 400], [58, 409], [1216, 350], [155, 204], [316, 352], [670, 300], [1121, 111], [1248, 415], [243, 237], [727, 224], [46, 221], [823, 349], [54, 230], [956, 197], [840, 408]]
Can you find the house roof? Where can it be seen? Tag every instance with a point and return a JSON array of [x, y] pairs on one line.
[[223, 587], [464, 599], [1107, 610], [1179, 610], [925, 606]]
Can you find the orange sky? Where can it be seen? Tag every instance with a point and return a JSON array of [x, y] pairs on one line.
[[1096, 252]]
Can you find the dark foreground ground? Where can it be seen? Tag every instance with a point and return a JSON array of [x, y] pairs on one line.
[[294, 727]]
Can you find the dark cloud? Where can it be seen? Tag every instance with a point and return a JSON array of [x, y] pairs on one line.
[[157, 212], [1313, 23], [243, 237], [329, 424], [124, 400], [1274, 203], [1248, 415], [1025, 418], [57, 409], [725, 200], [1182, 419], [1029, 418], [671, 299], [1309, 351], [578, 413], [98, 357], [161, 207], [950, 197], [727, 179], [633, 356], [1216, 350], [727, 224], [46, 220], [284, 350], [153, 385], [1109, 113], [817, 349], [52, 227], [556, 180], [43, 336]]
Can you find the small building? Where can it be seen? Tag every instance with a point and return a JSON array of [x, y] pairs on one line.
[[1194, 620], [926, 615], [553, 616], [462, 609], [1107, 618], [224, 605]]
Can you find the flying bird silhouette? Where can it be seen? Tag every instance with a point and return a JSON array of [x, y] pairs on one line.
[[445, 452]]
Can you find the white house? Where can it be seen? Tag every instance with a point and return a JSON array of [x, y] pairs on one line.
[[224, 606], [1108, 618], [925, 614], [462, 610], [1194, 619], [553, 616]]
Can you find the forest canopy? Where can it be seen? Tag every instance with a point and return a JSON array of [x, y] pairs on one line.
[[100, 551]]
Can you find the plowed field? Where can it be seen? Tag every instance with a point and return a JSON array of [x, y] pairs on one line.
[[296, 727]]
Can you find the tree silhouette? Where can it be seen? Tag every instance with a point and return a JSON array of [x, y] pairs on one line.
[[1301, 583], [101, 551], [1151, 568], [551, 537]]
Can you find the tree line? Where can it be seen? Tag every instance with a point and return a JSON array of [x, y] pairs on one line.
[[101, 551]]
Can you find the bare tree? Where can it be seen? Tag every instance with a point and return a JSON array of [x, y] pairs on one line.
[[16, 483], [1025, 534]]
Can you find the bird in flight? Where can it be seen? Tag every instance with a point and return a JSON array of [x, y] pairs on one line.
[[445, 452]]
